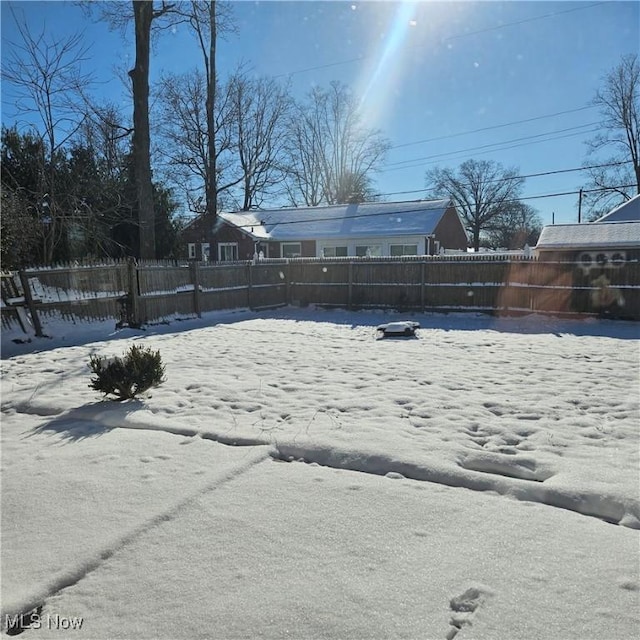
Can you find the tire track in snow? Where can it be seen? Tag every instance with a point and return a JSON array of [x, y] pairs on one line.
[[609, 508], [519, 477], [73, 575]]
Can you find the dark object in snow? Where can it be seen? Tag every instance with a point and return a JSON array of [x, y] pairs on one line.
[[136, 372], [403, 329]]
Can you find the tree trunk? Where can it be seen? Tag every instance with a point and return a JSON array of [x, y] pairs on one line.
[[476, 238], [143, 14], [212, 184]]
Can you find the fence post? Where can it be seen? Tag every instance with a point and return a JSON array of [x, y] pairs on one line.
[[28, 298], [133, 312], [195, 279], [423, 270], [250, 285], [287, 273], [350, 294]]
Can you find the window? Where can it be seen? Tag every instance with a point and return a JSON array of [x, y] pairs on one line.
[[192, 250], [227, 251], [204, 248], [291, 249], [334, 252], [403, 250], [369, 251]]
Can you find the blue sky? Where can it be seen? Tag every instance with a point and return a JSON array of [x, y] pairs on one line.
[[444, 81]]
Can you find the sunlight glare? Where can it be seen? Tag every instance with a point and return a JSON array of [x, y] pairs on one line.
[[379, 80]]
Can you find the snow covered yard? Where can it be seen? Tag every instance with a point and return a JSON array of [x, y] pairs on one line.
[[296, 477]]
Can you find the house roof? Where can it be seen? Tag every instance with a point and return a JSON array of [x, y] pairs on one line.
[[628, 211], [365, 220], [590, 236]]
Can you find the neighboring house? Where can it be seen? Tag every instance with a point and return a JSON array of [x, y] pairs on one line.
[[613, 238], [628, 211], [423, 227], [599, 251]]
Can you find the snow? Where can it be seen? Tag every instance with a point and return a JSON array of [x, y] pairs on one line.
[[295, 476], [363, 220]]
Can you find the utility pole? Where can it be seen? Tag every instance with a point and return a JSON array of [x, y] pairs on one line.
[[553, 217], [580, 207]]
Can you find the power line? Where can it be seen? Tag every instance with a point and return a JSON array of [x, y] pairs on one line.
[[445, 39], [529, 175], [533, 19], [491, 128], [407, 211], [497, 148], [493, 144]]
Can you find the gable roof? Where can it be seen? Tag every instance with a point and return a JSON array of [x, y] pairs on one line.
[[628, 211], [590, 235], [364, 220]]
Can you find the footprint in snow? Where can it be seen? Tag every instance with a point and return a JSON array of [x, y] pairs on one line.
[[463, 608]]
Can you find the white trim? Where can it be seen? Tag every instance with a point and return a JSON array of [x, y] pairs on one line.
[[205, 251], [227, 245]]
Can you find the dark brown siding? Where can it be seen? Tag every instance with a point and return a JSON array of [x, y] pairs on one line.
[[195, 233], [273, 250], [227, 233], [450, 232], [308, 248]]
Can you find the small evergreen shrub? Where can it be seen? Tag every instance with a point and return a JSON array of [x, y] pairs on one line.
[[138, 370]]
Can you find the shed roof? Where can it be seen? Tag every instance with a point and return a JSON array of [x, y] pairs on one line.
[[590, 236], [364, 220], [628, 211]]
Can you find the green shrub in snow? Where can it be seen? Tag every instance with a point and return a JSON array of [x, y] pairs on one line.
[[137, 371]]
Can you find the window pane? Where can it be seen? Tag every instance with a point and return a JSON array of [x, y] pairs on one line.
[[404, 249], [291, 250], [333, 252], [228, 252], [374, 250]]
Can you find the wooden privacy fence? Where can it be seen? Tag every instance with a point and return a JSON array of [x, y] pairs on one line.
[[140, 293]]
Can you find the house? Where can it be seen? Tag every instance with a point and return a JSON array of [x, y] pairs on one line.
[[628, 211], [612, 239], [422, 227], [599, 252]]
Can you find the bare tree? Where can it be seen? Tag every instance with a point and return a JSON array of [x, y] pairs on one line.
[[261, 107], [619, 102], [334, 146], [304, 165], [480, 190], [185, 132], [207, 20], [518, 225], [46, 74]]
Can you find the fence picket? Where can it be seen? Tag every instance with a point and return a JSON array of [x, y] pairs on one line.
[[147, 292]]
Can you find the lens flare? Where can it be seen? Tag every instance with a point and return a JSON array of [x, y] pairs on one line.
[[383, 76]]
